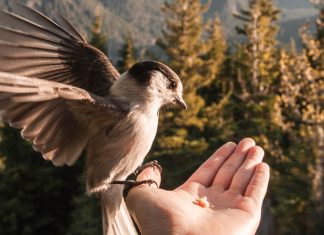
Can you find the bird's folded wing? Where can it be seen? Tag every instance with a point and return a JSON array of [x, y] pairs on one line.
[[44, 111], [33, 45]]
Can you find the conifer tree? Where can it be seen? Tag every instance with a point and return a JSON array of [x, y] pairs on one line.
[[98, 38], [217, 94], [86, 214], [319, 129], [314, 103], [35, 196], [302, 89], [216, 50], [128, 54], [255, 72], [193, 57], [298, 109], [299, 150], [257, 57], [255, 110], [183, 44]]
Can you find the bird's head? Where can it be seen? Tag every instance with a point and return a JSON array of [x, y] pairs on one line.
[[154, 83]]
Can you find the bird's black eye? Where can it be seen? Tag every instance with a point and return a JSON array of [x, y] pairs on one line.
[[172, 85]]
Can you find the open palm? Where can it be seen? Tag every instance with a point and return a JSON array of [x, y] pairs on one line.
[[233, 179]]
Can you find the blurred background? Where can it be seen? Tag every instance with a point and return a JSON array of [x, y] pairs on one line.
[[249, 68]]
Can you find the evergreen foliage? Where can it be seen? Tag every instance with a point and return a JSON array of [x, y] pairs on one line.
[[302, 90], [98, 39], [36, 198], [195, 51], [128, 54]]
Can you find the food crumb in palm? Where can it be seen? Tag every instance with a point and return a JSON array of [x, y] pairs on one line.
[[202, 201]]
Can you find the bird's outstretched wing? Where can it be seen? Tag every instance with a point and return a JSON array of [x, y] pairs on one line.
[[45, 112], [33, 45], [47, 68]]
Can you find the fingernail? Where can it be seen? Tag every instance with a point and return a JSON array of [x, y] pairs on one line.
[[229, 144]]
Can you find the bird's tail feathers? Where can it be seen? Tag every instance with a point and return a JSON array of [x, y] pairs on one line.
[[115, 215]]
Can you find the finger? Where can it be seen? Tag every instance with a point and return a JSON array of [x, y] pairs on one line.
[[244, 174], [207, 171], [150, 173], [225, 174], [258, 185]]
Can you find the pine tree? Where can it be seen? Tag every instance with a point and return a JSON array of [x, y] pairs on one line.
[[184, 46], [261, 86], [319, 129], [255, 110], [300, 151], [128, 54], [217, 94], [302, 92], [216, 50], [280, 116], [35, 196], [180, 140], [314, 106], [257, 57], [86, 217], [254, 70], [98, 39]]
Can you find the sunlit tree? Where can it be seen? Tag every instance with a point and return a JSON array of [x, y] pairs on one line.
[[128, 54], [193, 57]]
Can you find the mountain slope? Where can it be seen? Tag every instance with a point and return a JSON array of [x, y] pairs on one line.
[[141, 18], [293, 13], [144, 20]]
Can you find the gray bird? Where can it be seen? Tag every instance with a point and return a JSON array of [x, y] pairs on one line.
[[67, 97]]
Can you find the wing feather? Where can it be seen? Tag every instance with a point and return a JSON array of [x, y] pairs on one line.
[[52, 82], [44, 111], [17, 112], [32, 44], [22, 114], [45, 124], [34, 126], [15, 21], [68, 27], [40, 18], [26, 38]]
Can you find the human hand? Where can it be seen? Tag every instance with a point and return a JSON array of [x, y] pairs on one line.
[[233, 179]]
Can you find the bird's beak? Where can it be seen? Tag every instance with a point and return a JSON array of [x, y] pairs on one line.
[[181, 102]]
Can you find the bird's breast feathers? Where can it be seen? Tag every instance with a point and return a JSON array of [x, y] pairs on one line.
[[118, 151]]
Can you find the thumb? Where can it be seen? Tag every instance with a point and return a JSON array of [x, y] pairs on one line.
[[150, 173], [142, 198]]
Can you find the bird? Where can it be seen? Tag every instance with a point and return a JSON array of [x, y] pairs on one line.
[[66, 97]]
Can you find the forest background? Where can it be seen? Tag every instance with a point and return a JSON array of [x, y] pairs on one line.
[[246, 80]]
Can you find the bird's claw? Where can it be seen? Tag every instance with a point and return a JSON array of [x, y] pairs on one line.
[[154, 164], [129, 184]]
